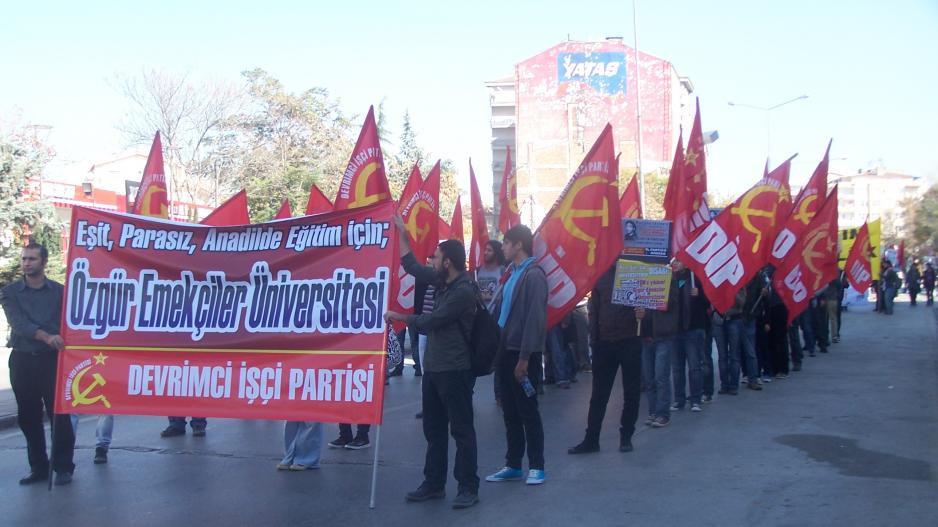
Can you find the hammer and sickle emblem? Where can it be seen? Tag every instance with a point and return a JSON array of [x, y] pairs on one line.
[[568, 214], [804, 215], [416, 232], [149, 197], [512, 186], [812, 253], [745, 211], [362, 198], [80, 396]]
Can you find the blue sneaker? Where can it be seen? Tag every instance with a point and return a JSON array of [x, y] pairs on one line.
[[506, 474], [535, 477]]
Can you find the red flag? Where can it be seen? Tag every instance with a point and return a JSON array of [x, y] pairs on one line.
[[443, 229], [687, 201], [151, 199], [508, 213], [582, 234], [410, 188], [455, 226], [364, 181], [480, 228], [675, 180], [900, 255], [778, 177], [284, 212], [421, 216], [813, 263], [858, 265], [232, 212], [729, 250], [630, 204], [805, 206], [317, 203]]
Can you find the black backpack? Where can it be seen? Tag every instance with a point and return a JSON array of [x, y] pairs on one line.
[[483, 340]]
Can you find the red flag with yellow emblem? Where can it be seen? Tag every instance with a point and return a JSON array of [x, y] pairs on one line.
[[858, 265], [420, 212], [410, 188], [804, 208], [813, 261], [686, 201], [508, 214], [232, 212], [780, 177], [630, 205], [455, 226], [728, 251], [152, 198], [480, 228], [581, 236], [364, 181], [317, 203]]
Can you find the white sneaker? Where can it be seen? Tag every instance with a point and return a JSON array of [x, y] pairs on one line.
[[695, 408]]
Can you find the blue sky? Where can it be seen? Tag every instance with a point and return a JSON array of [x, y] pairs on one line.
[[869, 68]]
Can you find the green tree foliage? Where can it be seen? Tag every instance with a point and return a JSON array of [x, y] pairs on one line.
[[923, 223]]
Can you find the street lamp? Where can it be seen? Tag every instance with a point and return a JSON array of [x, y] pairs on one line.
[[768, 123]]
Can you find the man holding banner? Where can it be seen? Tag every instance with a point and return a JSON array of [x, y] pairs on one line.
[[448, 380]]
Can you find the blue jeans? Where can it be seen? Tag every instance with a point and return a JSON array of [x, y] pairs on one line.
[[180, 422], [561, 358], [723, 355], [302, 443], [888, 296], [656, 376], [102, 433], [741, 337], [688, 349]]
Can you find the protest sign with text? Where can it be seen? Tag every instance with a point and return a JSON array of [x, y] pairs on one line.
[[640, 284]]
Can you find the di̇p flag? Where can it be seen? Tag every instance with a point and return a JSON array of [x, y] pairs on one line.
[[280, 320], [803, 209], [364, 181], [582, 234], [859, 266], [152, 198]]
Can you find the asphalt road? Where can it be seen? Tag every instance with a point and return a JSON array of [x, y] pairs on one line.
[[851, 440]]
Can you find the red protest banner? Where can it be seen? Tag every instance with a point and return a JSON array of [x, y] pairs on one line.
[[270, 321], [858, 265]]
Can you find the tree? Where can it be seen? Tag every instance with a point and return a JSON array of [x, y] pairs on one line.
[[923, 225], [23, 217]]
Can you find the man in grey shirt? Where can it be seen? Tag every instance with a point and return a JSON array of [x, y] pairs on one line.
[[33, 308]]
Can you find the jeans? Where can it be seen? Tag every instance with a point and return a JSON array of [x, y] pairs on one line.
[[723, 356], [194, 422], [794, 342], [447, 406], [929, 296], [561, 358], [688, 348], [888, 296], [706, 362], [740, 336], [302, 443], [33, 380], [608, 357], [523, 426], [821, 326], [656, 375], [778, 339], [806, 321], [103, 432]]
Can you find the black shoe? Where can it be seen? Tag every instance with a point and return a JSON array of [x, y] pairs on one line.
[[732, 392], [173, 431], [586, 447], [625, 445], [424, 493], [100, 455], [723, 391], [465, 499], [812, 354], [418, 415], [35, 477], [198, 431], [823, 350], [340, 442], [418, 373], [358, 443], [754, 386], [62, 478], [796, 367]]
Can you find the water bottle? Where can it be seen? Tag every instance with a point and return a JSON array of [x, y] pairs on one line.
[[527, 387]]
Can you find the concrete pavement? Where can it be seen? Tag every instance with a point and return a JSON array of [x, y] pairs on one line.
[[851, 440]]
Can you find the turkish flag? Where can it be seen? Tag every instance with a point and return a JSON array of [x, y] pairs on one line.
[[317, 203], [152, 198], [805, 206], [581, 236], [630, 204], [813, 262], [508, 213], [727, 252], [232, 212], [858, 265], [364, 181], [421, 215], [455, 226], [480, 228], [284, 212]]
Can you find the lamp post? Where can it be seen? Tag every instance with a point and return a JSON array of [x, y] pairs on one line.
[[768, 122]]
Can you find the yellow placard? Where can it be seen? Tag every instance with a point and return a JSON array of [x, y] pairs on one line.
[[846, 243], [640, 284]]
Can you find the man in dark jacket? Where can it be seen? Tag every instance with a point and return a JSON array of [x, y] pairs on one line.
[[448, 380], [656, 359], [913, 279], [616, 344], [521, 310], [739, 323], [693, 322], [928, 280]]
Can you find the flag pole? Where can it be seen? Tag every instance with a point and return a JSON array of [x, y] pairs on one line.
[[638, 105], [374, 468]]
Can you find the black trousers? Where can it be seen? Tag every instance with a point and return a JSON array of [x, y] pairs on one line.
[[345, 430], [33, 380], [822, 328], [763, 350], [778, 338], [523, 426], [608, 357], [447, 407]]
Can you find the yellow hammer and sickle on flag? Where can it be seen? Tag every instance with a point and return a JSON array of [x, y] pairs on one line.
[[148, 197], [512, 201], [804, 215], [632, 212], [745, 211], [362, 198], [811, 253], [416, 232], [80, 396], [568, 214]]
